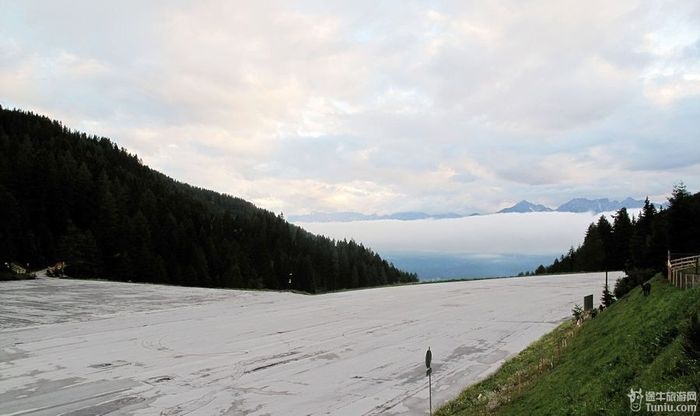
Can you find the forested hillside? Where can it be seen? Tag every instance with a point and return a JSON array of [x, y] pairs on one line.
[[68, 196], [639, 243]]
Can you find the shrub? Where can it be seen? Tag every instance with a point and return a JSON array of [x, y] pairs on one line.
[[577, 311], [607, 298]]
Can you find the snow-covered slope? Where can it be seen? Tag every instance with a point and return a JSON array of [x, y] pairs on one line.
[[93, 347]]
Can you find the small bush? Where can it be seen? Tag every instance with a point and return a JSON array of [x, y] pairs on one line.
[[607, 297], [577, 311]]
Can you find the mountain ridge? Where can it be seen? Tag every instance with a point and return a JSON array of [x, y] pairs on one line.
[[350, 216], [575, 205], [525, 206]]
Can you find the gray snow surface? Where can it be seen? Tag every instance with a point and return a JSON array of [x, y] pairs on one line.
[[72, 347]]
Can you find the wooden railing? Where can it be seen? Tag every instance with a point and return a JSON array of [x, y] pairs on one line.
[[680, 275]]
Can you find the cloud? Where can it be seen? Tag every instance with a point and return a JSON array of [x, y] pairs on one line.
[[486, 235], [323, 106]]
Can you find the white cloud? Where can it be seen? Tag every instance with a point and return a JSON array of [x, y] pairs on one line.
[[372, 107], [531, 233]]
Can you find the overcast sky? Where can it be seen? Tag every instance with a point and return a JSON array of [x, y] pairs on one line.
[[374, 106]]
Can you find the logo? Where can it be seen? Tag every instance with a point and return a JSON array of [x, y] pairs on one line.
[[635, 397], [663, 401]]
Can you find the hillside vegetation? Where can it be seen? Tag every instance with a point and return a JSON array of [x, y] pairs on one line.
[[648, 342], [68, 196], [637, 243]]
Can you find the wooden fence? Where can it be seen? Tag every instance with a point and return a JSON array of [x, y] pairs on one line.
[[684, 272]]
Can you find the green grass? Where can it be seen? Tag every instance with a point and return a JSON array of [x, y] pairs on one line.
[[589, 370]]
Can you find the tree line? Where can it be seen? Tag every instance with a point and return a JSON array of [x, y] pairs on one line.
[[69, 196], [638, 245]]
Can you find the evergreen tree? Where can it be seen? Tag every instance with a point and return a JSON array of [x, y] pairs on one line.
[[621, 236], [590, 256], [638, 246], [607, 298], [683, 224], [67, 196], [640, 255], [605, 230], [79, 249]]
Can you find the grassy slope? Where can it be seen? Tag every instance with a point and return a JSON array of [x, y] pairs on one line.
[[590, 369]]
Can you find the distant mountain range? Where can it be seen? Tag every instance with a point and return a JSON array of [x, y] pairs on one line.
[[356, 216], [599, 205], [575, 205], [578, 205], [525, 206]]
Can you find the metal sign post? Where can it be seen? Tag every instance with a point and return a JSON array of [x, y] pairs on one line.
[[428, 359]]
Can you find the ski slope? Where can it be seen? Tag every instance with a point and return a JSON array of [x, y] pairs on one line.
[[96, 347]]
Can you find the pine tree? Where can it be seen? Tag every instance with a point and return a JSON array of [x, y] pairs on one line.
[[605, 231], [622, 233], [607, 299]]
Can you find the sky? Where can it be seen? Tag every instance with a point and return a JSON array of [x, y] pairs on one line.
[[375, 106]]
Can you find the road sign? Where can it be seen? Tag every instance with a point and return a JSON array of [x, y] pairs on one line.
[[429, 373]]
